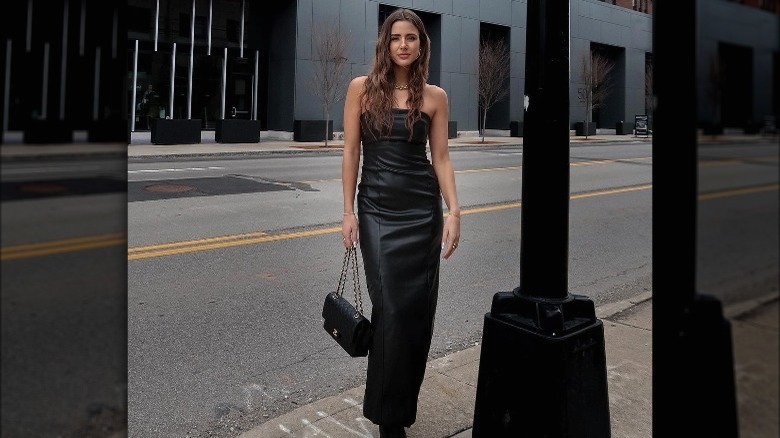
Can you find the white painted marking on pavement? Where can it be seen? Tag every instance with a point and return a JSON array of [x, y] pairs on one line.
[[249, 390], [317, 431], [363, 421], [367, 434], [183, 169], [352, 401]]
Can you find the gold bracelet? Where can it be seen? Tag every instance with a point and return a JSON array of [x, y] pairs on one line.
[[452, 213], [349, 214]]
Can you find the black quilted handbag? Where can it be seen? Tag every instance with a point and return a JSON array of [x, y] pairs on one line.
[[342, 320]]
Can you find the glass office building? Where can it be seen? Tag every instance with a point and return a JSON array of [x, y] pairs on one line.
[[253, 59], [201, 59]]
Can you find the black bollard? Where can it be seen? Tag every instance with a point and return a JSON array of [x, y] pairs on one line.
[[543, 367], [694, 390]]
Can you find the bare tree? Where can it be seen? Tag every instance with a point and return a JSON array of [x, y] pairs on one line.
[[493, 73], [330, 47], [594, 73]]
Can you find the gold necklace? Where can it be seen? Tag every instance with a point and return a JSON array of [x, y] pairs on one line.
[[403, 87]]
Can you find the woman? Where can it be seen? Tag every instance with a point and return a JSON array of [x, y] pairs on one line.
[[401, 230]]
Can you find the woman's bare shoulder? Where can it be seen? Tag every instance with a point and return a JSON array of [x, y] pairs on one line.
[[435, 92], [435, 97], [358, 81], [430, 88]]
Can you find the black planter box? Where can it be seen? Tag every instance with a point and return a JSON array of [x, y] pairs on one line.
[[48, 131], [176, 131], [624, 128], [579, 128], [109, 131], [712, 129], [237, 131], [452, 129], [752, 128], [311, 130], [515, 128]]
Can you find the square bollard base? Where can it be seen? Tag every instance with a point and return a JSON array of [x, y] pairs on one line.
[[536, 385]]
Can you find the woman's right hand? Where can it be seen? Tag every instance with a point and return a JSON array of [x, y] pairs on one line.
[[349, 230]]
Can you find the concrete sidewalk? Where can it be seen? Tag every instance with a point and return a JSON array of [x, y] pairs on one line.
[[141, 147], [446, 404], [447, 397]]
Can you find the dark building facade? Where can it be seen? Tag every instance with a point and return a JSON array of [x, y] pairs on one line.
[[738, 63], [256, 60], [63, 63], [251, 59]]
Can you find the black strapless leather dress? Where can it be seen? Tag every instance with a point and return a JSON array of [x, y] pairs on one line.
[[400, 224]]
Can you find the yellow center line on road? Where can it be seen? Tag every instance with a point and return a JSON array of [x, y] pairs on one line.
[[181, 247], [205, 240], [745, 160], [61, 246], [611, 191], [138, 253], [736, 192], [166, 249]]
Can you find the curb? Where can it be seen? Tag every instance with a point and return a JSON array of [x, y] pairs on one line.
[[32, 153], [611, 309], [737, 310]]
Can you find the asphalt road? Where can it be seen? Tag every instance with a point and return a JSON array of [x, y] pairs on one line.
[[229, 261], [64, 295], [226, 333], [737, 221]]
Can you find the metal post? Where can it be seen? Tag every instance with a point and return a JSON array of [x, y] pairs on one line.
[[694, 339], [544, 257], [173, 80], [83, 27], [241, 43], [254, 85], [7, 85], [156, 24], [543, 367], [45, 93], [192, 58], [64, 64], [208, 52], [135, 84], [224, 85], [96, 91], [115, 33], [29, 24]]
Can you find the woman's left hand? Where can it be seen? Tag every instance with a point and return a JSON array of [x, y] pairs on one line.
[[451, 235]]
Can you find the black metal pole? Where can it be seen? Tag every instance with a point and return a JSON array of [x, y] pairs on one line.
[[542, 366], [693, 377], [544, 256]]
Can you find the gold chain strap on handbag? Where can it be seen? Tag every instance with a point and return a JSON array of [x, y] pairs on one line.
[[350, 258]]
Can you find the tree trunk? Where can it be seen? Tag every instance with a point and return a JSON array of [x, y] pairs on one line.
[[327, 117], [587, 116], [484, 120]]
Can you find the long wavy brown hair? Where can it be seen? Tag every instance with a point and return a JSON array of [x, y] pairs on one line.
[[378, 88]]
